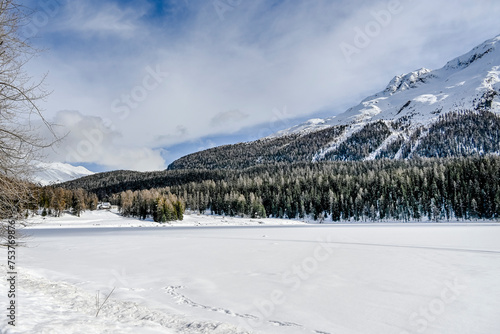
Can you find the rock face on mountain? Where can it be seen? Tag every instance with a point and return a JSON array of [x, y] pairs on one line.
[[452, 111]]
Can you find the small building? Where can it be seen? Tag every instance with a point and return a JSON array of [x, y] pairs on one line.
[[104, 206]]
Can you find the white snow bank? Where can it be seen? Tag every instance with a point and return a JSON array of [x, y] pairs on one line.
[[112, 218]]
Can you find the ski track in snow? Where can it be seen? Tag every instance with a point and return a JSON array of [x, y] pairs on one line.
[[449, 249]]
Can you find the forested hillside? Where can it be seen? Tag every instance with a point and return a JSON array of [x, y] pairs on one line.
[[454, 134], [291, 148], [418, 189]]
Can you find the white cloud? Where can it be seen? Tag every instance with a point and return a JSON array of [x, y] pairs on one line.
[[91, 139], [259, 58]]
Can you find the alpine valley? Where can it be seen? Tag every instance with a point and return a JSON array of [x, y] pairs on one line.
[[382, 218], [425, 147]]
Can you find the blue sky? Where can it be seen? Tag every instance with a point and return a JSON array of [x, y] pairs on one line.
[[137, 84]]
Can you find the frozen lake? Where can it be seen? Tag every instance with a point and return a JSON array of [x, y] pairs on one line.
[[384, 278]]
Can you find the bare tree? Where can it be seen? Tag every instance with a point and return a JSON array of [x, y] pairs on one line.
[[20, 143]]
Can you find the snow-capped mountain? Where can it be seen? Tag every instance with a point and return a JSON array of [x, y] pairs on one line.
[[451, 111], [57, 172], [468, 82]]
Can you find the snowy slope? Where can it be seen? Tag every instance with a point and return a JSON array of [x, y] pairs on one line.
[[311, 125], [466, 82], [57, 172]]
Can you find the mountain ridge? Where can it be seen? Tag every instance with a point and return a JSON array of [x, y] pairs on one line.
[[58, 172], [413, 80], [389, 124]]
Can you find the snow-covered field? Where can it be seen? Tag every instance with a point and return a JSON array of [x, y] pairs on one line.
[[112, 218], [261, 278]]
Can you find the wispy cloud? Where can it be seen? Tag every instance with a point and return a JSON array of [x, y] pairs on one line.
[[101, 18], [231, 117]]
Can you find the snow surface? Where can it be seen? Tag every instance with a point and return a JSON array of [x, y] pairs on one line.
[[422, 95], [337, 278], [314, 124], [58, 172], [112, 218]]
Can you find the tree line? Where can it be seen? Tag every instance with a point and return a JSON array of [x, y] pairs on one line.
[[159, 204], [54, 201], [378, 190], [412, 190], [49, 201]]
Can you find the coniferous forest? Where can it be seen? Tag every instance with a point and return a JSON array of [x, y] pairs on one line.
[[407, 190]]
